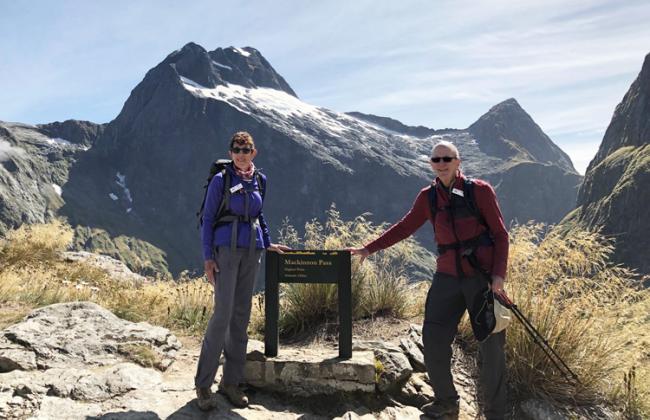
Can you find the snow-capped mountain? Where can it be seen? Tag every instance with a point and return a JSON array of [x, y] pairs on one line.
[[143, 177]]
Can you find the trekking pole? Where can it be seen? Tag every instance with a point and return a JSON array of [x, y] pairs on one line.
[[530, 328], [539, 340]]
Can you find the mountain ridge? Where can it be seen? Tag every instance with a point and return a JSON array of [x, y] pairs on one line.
[[614, 196], [142, 177]]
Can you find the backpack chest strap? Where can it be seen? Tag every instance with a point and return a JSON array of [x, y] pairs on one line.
[[469, 245]]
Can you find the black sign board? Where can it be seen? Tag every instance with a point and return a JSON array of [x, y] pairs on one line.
[[309, 266]]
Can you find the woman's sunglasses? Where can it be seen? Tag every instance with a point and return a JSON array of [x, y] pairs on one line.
[[244, 150], [445, 159]]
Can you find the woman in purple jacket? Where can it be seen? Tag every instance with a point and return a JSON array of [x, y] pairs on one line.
[[233, 240]]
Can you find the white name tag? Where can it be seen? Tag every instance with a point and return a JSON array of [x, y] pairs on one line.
[[458, 192], [236, 188]]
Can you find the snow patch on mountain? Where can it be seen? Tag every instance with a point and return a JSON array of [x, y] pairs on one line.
[[58, 142], [242, 52], [121, 181], [337, 137], [223, 66], [192, 83]]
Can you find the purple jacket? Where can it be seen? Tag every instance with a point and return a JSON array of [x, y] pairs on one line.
[[221, 235]]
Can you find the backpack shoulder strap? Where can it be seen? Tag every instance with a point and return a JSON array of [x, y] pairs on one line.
[[225, 196], [433, 202], [261, 182], [470, 200]]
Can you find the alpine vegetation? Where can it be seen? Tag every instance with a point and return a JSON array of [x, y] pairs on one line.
[[590, 311]]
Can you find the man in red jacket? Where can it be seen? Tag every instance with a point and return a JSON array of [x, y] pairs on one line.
[[459, 232]]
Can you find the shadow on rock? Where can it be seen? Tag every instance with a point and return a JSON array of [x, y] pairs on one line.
[[191, 411], [127, 415]]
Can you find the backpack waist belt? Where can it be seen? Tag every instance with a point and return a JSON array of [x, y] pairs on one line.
[[235, 219], [484, 239]]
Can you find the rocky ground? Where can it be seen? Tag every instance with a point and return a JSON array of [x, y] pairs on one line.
[[78, 360]]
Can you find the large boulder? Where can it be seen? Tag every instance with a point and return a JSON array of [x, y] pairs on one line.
[[393, 367], [116, 269], [72, 360], [82, 333]]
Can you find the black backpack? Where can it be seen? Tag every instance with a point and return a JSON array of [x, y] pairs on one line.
[[219, 166]]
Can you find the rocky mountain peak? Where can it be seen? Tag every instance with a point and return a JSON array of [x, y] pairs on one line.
[[509, 102], [508, 109], [247, 67], [502, 115], [507, 131], [191, 65], [630, 125], [240, 66], [614, 196], [193, 62]]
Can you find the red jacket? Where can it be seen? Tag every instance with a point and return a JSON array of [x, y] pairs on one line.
[[493, 258]]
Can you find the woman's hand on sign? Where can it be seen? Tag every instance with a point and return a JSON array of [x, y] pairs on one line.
[[361, 252], [210, 267], [279, 248]]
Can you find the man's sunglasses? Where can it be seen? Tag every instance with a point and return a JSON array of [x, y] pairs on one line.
[[445, 159], [244, 150]]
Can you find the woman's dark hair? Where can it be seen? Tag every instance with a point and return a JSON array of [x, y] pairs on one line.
[[242, 138]]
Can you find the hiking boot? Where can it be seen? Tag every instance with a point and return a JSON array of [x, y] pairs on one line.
[[441, 408], [235, 395], [205, 399]]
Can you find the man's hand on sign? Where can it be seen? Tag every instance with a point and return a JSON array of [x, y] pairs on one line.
[[361, 252]]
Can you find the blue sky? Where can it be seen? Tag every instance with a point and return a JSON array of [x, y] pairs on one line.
[[433, 63]]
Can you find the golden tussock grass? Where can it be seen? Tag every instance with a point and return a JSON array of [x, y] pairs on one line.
[[32, 274], [31, 244], [593, 314]]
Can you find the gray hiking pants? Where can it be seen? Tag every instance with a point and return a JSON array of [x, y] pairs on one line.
[[227, 329], [447, 300]]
